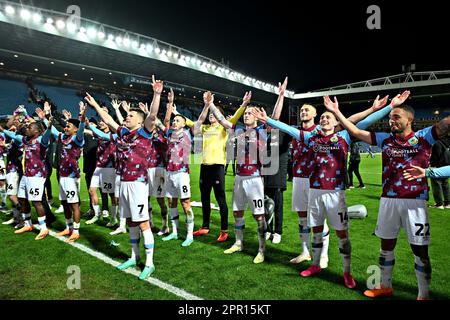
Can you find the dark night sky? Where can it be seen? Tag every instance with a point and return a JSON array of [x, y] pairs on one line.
[[317, 44]]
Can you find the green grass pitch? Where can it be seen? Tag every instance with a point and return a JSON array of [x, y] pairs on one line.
[[32, 269]]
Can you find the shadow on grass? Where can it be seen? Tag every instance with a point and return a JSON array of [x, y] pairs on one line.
[[98, 240], [92, 236]]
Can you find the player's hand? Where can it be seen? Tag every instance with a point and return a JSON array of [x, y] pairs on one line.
[[379, 104], [414, 173], [171, 96], [332, 106], [67, 114], [115, 104], [400, 99], [126, 106], [260, 114], [208, 98], [82, 112], [282, 87], [82, 107], [90, 100], [143, 107], [247, 98], [40, 113], [157, 85]]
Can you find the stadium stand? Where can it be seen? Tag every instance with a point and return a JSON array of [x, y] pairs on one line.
[[12, 94]]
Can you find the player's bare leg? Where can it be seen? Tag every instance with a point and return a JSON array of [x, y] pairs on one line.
[[94, 200]]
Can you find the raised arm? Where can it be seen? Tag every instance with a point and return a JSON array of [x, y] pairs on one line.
[[208, 98], [239, 112], [103, 115], [158, 86], [279, 104], [377, 105], [53, 130], [261, 115], [80, 133], [116, 105], [160, 125], [99, 133], [219, 116], [382, 112], [45, 138], [351, 128], [167, 117], [12, 135]]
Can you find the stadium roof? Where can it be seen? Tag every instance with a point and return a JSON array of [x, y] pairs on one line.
[[37, 45]]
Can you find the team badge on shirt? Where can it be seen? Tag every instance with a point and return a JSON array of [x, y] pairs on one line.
[[413, 141]]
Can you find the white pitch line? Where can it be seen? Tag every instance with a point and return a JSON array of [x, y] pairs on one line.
[[367, 172], [165, 286]]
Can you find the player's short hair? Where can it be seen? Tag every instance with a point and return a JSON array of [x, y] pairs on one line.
[[181, 116], [406, 108], [75, 122], [139, 111], [308, 104], [39, 125]]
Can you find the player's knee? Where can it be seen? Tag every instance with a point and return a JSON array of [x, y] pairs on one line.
[[144, 225], [259, 217], [92, 191], [318, 229], [342, 234], [238, 214], [161, 202], [388, 244], [420, 251], [186, 203]]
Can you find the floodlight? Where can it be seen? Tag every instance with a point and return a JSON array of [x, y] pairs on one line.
[[25, 14], [10, 10], [60, 24]]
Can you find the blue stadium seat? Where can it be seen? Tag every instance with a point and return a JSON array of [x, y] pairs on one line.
[[12, 94], [63, 98]]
